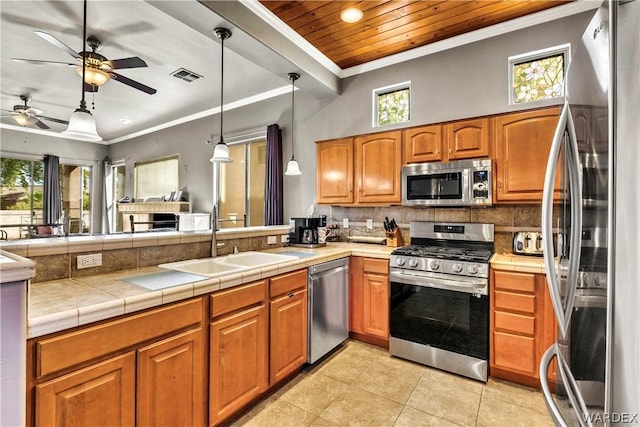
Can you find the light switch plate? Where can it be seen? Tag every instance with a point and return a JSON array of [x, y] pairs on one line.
[[345, 223], [272, 240], [369, 224]]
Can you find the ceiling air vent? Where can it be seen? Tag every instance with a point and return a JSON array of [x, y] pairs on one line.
[[186, 75]]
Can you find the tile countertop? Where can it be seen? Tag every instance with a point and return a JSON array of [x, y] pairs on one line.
[[519, 263], [62, 304], [14, 268]]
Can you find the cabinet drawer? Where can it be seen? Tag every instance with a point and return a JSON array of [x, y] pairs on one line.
[[520, 282], [288, 282], [512, 322], [237, 298], [515, 352], [515, 302], [65, 351], [374, 265]]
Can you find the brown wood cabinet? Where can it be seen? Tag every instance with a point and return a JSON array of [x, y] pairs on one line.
[[238, 371], [521, 326], [364, 170], [468, 139], [100, 395], [422, 144], [288, 329], [107, 373], [522, 144], [369, 300], [334, 162]]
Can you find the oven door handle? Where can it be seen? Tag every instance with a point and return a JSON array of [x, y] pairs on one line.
[[458, 285]]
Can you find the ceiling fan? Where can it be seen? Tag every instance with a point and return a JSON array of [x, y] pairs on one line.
[[25, 115], [98, 69]]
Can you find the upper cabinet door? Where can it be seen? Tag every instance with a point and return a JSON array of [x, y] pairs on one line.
[[522, 143], [335, 171], [378, 168], [422, 144], [468, 139]]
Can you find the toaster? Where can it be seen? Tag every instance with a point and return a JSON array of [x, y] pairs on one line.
[[527, 243]]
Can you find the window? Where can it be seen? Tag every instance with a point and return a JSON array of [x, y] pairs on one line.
[[156, 178], [392, 104], [539, 75], [240, 185], [21, 189]]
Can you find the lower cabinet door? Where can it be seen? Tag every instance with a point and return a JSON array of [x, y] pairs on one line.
[[288, 335], [239, 361], [99, 395], [376, 305], [171, 381]]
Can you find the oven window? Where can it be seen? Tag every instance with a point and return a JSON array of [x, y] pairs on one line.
[[454, 321], [588, 343], [435, 186]]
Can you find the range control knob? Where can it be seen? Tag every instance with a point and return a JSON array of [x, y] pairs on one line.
[[413, 263], [434, 265], [473, 269], [400, 261], [456, 268]]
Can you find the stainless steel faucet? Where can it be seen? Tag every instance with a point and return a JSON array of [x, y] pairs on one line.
[[214, 228]]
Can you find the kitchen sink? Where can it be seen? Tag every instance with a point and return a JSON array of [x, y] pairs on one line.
[[256, 259], [227, 264], [206, 267]]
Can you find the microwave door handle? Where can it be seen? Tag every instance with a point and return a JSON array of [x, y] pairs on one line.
[[553, 280]]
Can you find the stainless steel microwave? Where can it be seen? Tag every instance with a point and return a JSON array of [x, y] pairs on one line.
[[459, 183]]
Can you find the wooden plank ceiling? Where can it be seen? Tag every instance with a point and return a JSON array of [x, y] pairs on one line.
[[390, 27]]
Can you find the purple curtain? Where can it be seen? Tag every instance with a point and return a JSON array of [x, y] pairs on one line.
[[273, 210], [51, 200]]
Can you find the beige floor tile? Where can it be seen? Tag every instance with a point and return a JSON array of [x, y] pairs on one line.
[[445, 400], [454, 380], [513, 393], [276, 411], [393, 382], [345, 366], [357, 407], [497, 413], [314, 393], [321, 422], [410, 417]]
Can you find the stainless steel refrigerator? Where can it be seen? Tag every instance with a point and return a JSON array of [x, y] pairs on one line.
[[585, 279]]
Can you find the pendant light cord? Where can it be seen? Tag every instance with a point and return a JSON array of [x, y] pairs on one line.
[[293, 77], [83, 103], [221, 85]]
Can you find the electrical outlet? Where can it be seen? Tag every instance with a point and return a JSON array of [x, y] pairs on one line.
[[88, 261], [284, 238], [369, 224], [345, 223], [272, 240]]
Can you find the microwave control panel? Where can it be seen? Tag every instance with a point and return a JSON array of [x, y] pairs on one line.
[[480, 184]]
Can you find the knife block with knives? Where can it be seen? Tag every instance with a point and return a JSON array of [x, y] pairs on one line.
[[392, 231]]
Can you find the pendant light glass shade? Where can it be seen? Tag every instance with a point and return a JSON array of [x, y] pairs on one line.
[[82, 125], [221, 151], [292, 167]]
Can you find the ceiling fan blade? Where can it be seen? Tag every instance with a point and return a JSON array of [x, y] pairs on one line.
[[54, 41], [90, 88], [38, 61], [119, 64], [41, 124], [51, 119], [133, 83], [33, 111]]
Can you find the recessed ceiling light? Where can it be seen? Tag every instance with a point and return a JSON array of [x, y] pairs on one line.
[[351, 15], [125, 121]]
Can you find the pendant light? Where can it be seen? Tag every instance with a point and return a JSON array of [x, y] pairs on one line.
[[221, 151], [292, 166], [82, 125]]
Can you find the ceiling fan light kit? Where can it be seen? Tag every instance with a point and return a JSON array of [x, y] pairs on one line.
[[82, 125], [23, 120], [94, 76], [292, 167], [221, 151]]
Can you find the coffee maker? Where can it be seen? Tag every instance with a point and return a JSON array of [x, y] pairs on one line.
[[304, 231]]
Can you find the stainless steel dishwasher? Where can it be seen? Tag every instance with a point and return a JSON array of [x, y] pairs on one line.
[[328, 324]]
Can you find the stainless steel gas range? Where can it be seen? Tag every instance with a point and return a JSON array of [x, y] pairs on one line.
[[439, 304]]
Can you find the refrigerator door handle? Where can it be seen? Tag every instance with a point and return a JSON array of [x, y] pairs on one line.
[[571, 388], [565, 126]]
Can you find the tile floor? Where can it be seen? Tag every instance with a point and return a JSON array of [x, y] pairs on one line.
[[362, 385]]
